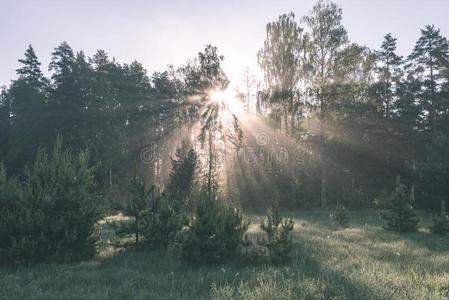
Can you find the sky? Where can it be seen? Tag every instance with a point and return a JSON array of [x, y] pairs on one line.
[[159, 33]]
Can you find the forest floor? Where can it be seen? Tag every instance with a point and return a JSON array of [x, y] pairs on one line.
[[362, 261]]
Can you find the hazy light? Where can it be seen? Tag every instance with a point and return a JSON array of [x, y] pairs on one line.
[[216, 96], [229, 100]]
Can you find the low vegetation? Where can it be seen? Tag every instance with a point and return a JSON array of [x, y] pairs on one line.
[[180, 164], [401, 217], [50, 213], [327, 262], [340, 215]]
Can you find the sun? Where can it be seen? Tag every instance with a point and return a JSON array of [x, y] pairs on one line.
[[216, 96], [232, 104]]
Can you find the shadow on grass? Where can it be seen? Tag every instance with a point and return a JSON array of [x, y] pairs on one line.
[[159, 275], [343, 287]]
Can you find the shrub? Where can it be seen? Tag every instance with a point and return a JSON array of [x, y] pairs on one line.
[[10, 207], [52, 214], [138, 202], [340, 216], [213, 233], [246, 243], [277, 239], [161, 223], [440, 224], [182, 174], [401, 217]]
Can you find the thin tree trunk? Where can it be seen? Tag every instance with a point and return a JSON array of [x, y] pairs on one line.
[[432, 97], [322, 158], [323, 184], [137, 229], [110, 176]]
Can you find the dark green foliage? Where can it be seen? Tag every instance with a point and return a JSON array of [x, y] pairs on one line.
[[205, 73], [389, 71], [358, 116], [401, 217], [428, 64], [139, 201], [340, 216], [26, 98], [246, 243], [52, 214], [277, 239], [164, 219], [5, 122], [166, 83], [11, 195], [161, 223], [433, 171], [214, 232], [181, 176], [440, 224]]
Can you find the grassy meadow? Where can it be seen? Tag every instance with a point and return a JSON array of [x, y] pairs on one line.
[[362, 261]]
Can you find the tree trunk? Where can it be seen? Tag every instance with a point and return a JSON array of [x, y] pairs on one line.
[[322, 156], [110, 176], [323, 184], [432, 96], [137, 229]]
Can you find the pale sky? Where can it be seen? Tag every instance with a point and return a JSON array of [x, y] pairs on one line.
[[158, 33]]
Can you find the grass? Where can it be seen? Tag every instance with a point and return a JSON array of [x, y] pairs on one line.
[[362, 261]]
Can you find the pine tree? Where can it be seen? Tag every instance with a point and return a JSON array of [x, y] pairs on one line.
[[27, 100], [215, 230], [277, 231], [161, 223], [440, 223], [340, 216], [67, 103], [401, 217], [62, 65], [390, 73], [52, 214], [181, 176], [139, 201], [433, 172], [31, 72], [428, 62], [5, 122], [167, 215]]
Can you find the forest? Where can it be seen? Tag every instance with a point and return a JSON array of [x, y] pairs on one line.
[[335, 164]]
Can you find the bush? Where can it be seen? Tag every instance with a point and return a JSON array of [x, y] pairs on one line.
[[138, 202], [161, 223], [340, 216], [440, 224], [213, 233], [401, 217], [277, 240], [51, 215], [182, 174]]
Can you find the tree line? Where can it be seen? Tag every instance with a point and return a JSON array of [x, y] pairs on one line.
[[361, 117], [365, 116], [112, 110]]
